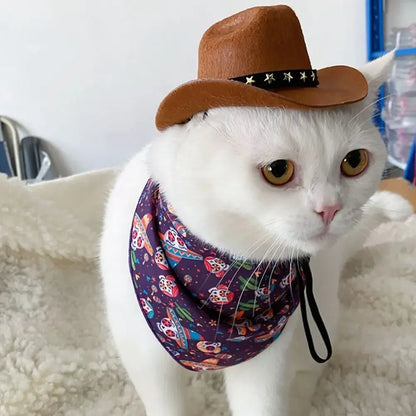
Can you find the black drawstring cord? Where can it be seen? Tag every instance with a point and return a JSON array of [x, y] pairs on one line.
[[314, 311]]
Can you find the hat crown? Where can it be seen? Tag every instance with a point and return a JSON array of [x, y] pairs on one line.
[[256, 40]]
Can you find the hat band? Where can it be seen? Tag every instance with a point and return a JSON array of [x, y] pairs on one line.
[[281, 79]]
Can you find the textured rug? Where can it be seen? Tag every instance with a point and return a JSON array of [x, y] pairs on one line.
[[56, 355]]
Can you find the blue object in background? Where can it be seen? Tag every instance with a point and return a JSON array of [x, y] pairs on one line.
[[409, 172], [5, 163], [4, 160], [375, 49]]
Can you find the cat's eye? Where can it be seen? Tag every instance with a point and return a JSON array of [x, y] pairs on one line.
[[279, 172], [355, 162]]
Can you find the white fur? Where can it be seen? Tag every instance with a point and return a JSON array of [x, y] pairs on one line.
[[209, 171]]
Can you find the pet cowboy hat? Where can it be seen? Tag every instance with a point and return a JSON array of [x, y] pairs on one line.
[[258, 57]]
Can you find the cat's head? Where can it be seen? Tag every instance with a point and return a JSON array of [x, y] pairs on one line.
[[221, 174]]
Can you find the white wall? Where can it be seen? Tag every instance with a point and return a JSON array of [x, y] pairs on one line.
[[88, 75]]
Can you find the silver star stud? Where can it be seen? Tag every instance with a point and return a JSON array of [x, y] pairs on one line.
[[303, 76], [250, 80], [313, 76], [288, 76], [269, 78]]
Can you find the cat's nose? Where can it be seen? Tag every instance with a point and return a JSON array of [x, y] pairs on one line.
[[328, 213]]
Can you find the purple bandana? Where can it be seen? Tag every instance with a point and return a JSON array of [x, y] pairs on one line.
[[207, 309]]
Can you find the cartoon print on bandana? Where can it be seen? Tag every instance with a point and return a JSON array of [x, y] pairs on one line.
[[208, 364], [208, 310], [146, 307], [160, 259], [274, 332], [216, 266], [139, 238], [209, 347], [173, 329], [168, 286], [179, 227], [220, 295], [175, 247], [243, 325]]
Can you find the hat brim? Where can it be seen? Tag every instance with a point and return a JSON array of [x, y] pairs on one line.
[[338, 85]]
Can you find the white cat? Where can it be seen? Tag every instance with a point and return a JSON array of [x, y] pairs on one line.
[[209, 172]]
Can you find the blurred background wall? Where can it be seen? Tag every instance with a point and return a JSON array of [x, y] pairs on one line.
[[88, 75]]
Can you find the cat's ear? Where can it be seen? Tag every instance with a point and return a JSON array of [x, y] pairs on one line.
[[377, 72]]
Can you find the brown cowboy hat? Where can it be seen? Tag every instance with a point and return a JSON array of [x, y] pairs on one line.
[[258, 57]]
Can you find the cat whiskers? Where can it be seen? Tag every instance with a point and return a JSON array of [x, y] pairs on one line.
[[290, 268], [299, 277], [278, 243], [276, 261], [245, 286], [264, 241], [255, 246]]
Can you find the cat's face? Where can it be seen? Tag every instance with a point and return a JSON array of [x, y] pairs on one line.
[[214, 171]]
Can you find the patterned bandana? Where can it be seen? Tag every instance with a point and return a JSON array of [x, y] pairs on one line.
[[207, 309]]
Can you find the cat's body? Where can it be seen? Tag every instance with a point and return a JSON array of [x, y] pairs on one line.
[[208, 171]]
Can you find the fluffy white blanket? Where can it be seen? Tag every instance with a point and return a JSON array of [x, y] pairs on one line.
[[56, 355]]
